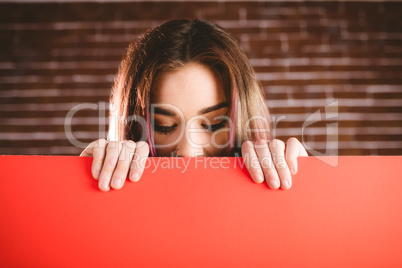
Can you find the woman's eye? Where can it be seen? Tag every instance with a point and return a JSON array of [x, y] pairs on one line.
[[212, 128], [165, 129]]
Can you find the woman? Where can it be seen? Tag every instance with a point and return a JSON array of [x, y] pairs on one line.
[[185, 88]]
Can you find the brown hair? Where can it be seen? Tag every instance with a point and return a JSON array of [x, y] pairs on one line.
[[170, 46]]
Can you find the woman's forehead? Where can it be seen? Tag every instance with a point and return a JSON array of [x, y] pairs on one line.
[[191, 86]]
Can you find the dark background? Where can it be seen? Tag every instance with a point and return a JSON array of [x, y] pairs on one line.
[[306, 54]]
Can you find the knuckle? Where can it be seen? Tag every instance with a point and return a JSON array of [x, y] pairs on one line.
[[254, 162], [280, 163], [269, 170], [113, 160], [281, 167], [266, 163]]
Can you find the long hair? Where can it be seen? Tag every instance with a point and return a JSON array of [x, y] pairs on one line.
[[170, 46]]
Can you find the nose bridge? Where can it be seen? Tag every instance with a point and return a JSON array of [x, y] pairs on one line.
[[189, 144]]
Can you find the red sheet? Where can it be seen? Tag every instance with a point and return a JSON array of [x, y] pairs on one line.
[[53, 215]]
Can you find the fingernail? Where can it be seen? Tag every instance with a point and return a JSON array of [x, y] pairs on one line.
[[97, 173], [285, 184], [117, 183], [259, 179], [105, 187], [135, 177], [274, 184], [113, 161]]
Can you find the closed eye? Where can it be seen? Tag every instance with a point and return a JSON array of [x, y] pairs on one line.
[[165, 130], [215, 127]]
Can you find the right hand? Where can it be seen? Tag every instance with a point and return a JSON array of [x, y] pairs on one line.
[[114, 160]]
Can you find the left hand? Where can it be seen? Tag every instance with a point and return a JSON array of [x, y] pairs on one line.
[[273, 161]]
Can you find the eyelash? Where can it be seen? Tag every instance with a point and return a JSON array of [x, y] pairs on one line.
[[164, 130], [213, 128]]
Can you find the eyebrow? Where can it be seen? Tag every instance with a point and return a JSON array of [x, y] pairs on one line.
[[169, 112]]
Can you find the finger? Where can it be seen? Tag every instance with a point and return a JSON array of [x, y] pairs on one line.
[[139, 160], [265, 159], [109, 165], [251, 161], [96, 150], [120, 173], [294, 149], [98, 157], [277, 148]]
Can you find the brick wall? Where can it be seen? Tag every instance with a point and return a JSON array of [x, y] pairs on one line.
[[307, 55]]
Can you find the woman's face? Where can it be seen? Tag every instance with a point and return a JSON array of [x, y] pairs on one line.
[[186, 106]]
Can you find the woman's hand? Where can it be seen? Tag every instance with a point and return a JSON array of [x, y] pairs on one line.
[[273, 161], [113, 161]]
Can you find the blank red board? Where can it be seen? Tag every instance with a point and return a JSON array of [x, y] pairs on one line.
[[53, 215]]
